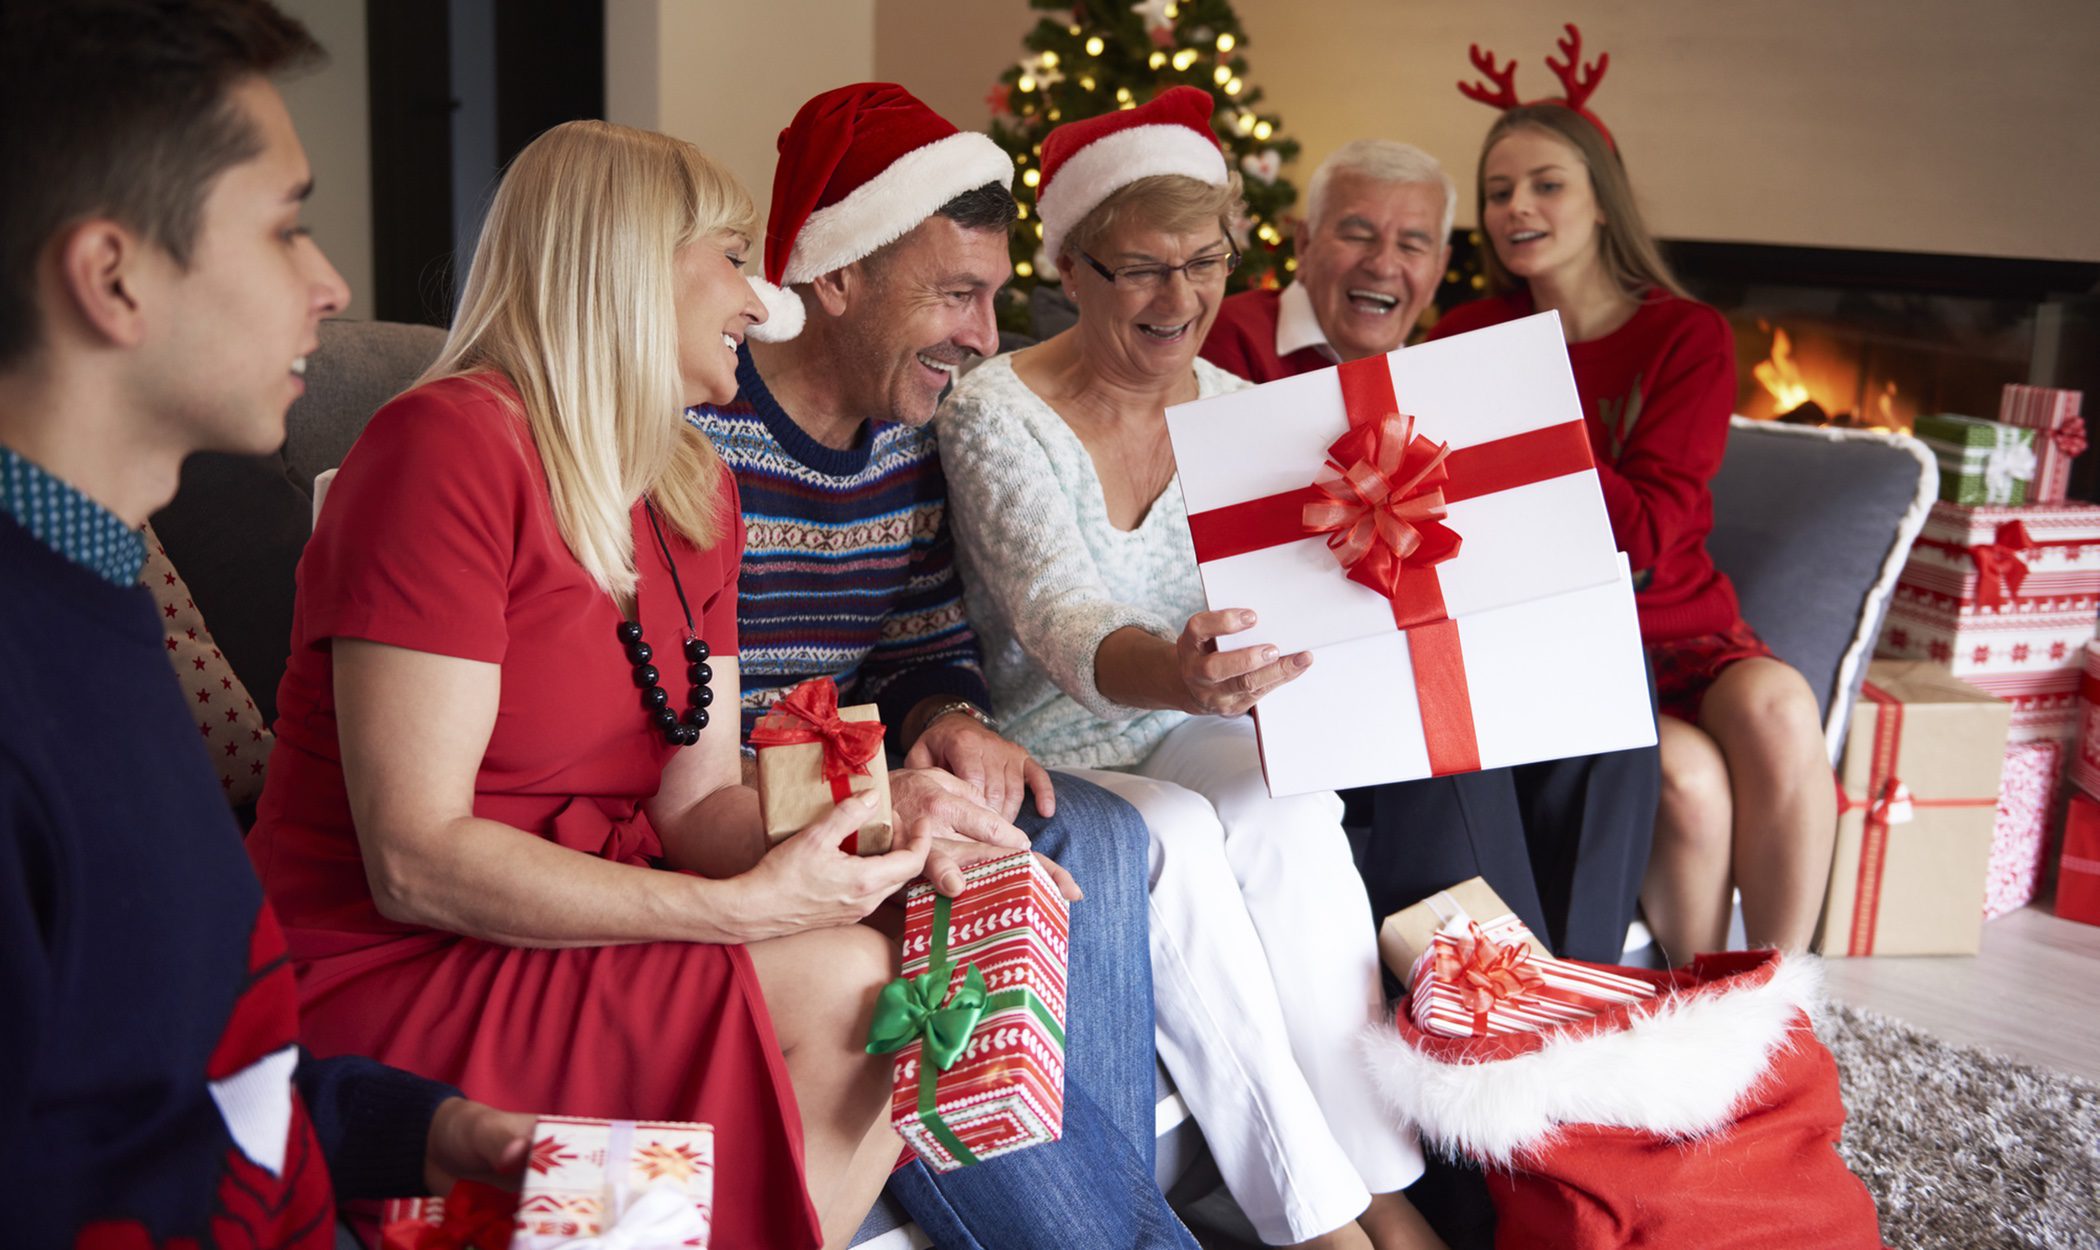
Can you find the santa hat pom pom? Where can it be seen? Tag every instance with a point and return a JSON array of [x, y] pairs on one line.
[[784, 312]]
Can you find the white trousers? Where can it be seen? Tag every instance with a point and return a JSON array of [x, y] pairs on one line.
[[1265, 971]]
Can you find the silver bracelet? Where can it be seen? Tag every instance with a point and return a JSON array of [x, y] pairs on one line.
[[963, 706]]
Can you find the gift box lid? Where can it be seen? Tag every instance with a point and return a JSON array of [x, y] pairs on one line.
[[1952, 743], [1977, 525], [1530, 524], [1947, 429]]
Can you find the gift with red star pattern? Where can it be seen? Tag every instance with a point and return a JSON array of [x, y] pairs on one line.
[[652, 1181], [228, 723]]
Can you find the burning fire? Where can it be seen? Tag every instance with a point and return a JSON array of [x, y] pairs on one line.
[[1829, 390], [1779, 375]]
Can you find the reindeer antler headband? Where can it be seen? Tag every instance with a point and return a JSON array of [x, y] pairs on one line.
[[1579, 84]]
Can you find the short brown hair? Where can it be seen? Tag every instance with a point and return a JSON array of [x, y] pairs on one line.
[[1629, 252], [121, 108], [1173, 203]]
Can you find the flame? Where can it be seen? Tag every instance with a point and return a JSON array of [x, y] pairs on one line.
[[1779, 375]]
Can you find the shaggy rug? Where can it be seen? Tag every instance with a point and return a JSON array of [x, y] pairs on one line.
[[1963, 1149]]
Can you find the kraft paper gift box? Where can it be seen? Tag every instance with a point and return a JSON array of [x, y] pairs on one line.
[[812, 755], [2059, 434], [2078, 872], [651, 1181], [1430, 525], [1981, 462], [977, 1017], [1917, 811], [2004, 598], [1406, 935], [2020, 836]]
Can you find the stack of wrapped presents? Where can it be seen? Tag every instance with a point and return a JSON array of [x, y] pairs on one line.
[[1960, 737]]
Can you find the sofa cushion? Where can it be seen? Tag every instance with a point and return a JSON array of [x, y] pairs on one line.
[[235, 734], [1813, 525]]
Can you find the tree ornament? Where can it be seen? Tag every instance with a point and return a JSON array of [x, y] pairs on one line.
[[1263, 166], [1154, 13], [1000, 99]]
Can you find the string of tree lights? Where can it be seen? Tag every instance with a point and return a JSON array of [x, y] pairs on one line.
[[1090, 58]]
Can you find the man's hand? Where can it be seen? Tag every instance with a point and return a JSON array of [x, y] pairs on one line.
[[960, 830], [472, 1141], [998, 770]]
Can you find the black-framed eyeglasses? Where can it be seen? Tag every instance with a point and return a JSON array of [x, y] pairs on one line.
[[1200, 271]]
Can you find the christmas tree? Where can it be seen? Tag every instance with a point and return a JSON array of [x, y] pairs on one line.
[[1111, 54]]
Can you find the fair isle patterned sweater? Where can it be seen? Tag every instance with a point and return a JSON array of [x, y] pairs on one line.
[[848, 566]]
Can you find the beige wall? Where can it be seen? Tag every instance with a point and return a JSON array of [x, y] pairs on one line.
[[331, 107], [728, 76], [1913, 125]]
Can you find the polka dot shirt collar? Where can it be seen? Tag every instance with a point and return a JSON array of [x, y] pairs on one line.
[[69, 522]]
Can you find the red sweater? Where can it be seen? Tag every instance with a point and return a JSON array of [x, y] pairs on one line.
[[1243, 340], [1656, 393]]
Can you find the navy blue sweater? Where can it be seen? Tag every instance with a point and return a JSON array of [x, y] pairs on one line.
[[148, 1018]]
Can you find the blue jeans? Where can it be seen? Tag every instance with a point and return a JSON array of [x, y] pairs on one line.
[[1094, 1188]]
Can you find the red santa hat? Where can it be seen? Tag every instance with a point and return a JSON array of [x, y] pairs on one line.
[[860, 167], [1085, 162]]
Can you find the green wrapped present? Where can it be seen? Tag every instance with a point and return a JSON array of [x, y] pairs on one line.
[[1981, 462]]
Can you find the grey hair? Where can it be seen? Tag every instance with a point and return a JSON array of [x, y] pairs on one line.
[[1380, 160]]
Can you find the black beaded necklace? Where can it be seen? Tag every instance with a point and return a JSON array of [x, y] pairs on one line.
[[656, 701]]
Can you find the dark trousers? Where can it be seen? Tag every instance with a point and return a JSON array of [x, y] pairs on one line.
[[1564, 843]]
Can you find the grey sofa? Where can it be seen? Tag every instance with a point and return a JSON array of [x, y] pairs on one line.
[[1813, 526]]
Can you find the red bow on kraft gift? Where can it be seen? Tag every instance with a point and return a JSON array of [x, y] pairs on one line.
[[1383, 510], [810, 713]]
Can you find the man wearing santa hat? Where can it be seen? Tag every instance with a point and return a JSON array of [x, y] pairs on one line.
[[884, 248]]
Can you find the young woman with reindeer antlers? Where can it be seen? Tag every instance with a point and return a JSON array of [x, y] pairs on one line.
[[1746, 797]]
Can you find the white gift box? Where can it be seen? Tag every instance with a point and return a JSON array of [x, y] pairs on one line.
[[1545, 651]]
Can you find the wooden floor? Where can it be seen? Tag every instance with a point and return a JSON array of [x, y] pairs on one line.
[[2032, 992]]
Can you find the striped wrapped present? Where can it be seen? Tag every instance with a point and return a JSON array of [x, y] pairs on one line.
[[1481, 980]]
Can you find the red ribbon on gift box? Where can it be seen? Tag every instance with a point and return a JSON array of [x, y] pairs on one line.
[[810, 713], [1485, 971], [473, 1216], [2001, 565], [1886, 796], [1387, 507]]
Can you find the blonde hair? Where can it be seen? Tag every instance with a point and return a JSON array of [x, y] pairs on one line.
[[570, 297], [1628, 251], [1169, 203]]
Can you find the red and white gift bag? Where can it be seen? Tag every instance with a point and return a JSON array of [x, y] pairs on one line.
[[2020, 837], [1706, 1115], [2078, 872], [2060, 438]]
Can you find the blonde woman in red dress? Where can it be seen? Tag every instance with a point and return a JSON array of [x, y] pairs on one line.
[[1747, 801], [503, 830]]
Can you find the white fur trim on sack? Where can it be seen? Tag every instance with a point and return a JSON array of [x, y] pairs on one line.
[[784, 312], [1113, 162], [890, 205], [1680, 1072]]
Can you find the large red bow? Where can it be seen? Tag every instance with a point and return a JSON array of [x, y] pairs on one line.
[[2000, 567], [1485, 972], [810, 713], [1383, 510]]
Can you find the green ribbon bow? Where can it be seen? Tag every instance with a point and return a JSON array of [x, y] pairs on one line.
[[910, 1009]]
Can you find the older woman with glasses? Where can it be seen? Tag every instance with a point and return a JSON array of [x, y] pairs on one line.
[[1082, 580]]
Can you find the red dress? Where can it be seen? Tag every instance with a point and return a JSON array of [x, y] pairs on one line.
[[1656, 396], [439, 536]]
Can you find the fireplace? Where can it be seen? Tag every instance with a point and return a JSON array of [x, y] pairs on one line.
[[1874, 339]]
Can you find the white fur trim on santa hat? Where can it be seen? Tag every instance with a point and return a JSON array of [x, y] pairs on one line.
[[890, 205], [1113, 162], [1680, 1072], [784, 312]]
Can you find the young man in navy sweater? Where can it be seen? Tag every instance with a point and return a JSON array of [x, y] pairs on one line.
[[158, 296]]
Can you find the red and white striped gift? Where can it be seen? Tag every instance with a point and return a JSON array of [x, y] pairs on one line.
[[2085, 760], [1480, 980], [2055, 414]]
